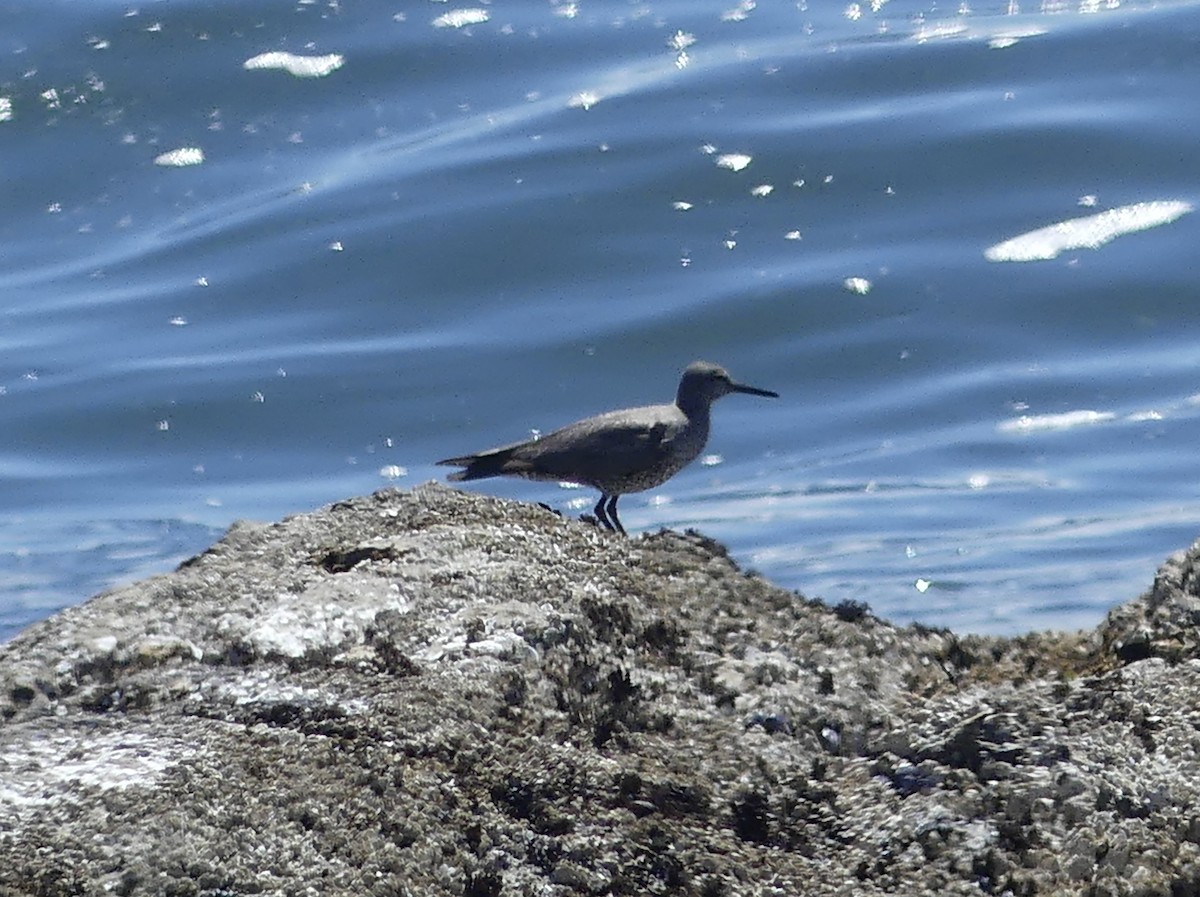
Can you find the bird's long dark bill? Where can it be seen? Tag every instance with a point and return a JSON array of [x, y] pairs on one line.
[[753, 390]]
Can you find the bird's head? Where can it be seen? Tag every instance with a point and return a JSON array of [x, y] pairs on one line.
[[704, 382]]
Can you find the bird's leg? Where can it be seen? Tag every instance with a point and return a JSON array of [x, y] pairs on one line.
[[599, 512], [612, 515]]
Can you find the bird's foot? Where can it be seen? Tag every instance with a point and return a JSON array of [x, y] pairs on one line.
[[596, 522]]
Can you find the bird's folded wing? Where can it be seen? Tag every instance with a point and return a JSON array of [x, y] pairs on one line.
[[617, 449]]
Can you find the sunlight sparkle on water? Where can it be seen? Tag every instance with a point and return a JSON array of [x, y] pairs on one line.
[[181, 158], [1063, 421], [459, 18], [300, 66], [1091, 232], [739, 12], [681, 40], [584, 100], [734, 161]]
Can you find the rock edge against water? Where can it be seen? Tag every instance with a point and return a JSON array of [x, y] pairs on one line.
[[434, 692]]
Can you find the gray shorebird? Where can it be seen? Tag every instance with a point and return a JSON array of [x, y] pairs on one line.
[[629, 450]]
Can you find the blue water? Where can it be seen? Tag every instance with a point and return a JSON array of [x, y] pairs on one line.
[[466, 233]]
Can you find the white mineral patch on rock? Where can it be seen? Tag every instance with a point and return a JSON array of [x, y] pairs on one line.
[[38, 771], [510, 631], [325, 616], [271, 686]]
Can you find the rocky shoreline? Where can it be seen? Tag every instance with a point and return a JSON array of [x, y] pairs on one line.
[[435, 692]]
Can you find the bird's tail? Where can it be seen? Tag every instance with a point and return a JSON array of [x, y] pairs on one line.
[[478, 467]]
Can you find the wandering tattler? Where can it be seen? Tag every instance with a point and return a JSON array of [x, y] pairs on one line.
[[622, 451]]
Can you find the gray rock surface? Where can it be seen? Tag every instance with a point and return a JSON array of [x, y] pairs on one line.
[[433, 692]]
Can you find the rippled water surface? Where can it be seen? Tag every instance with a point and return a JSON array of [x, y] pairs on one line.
[[453, 225]]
